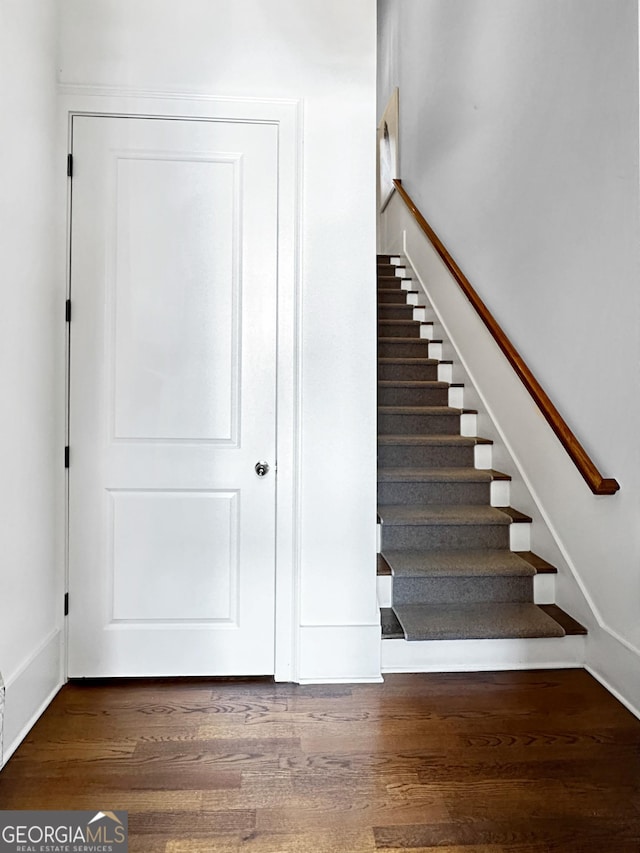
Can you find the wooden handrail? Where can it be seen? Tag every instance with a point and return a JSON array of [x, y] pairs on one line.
[[594, 479]]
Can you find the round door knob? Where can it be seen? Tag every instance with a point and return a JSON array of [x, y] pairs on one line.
[[262, 469]]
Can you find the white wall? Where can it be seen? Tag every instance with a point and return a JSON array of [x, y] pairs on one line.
[[31, 366], [321, 52], [519, 128], [519, 143]]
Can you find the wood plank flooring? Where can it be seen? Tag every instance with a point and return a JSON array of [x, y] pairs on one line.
[[513, 761]]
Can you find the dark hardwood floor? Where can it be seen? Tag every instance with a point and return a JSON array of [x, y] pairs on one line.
[[528, 762]]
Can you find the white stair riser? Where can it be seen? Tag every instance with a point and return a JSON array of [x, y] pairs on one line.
[[483, 456], [500, 493], [385, 585], [520, 536], [544, 589], [482, 655], [445, 373], [456, 396], [435, 351], [468, 424]]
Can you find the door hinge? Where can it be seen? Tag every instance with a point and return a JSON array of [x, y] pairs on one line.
[[69, 165], [67, 311], [66, 604], [66, 456]]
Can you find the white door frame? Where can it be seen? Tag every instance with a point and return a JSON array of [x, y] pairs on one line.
[[286, 115]]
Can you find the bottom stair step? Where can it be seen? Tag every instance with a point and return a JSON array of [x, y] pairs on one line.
[[475, 621]]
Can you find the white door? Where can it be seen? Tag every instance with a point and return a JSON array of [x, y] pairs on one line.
[[172, 397]]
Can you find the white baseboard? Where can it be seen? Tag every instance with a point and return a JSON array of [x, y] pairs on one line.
[[30, 690], [482, 655], [351, 680], [339, 654], [615, 666]]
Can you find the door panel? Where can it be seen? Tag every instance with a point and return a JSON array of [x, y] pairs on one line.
[[172, 397], [197, 531], [175, 378]]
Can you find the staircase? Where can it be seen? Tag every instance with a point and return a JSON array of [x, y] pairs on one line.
[[454, 561]]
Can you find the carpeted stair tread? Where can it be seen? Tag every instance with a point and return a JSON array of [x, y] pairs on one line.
[[403, 367], [393, 339], [439, 475], [388, 269], [412, 383], [398, 339], [403, 328], [389, 279], [410, 361], [438, 514], [406, 368], [404, 311], [483, 562], [403, 347], [424, 410], [476, 621], [439, 440], [395, 311]]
